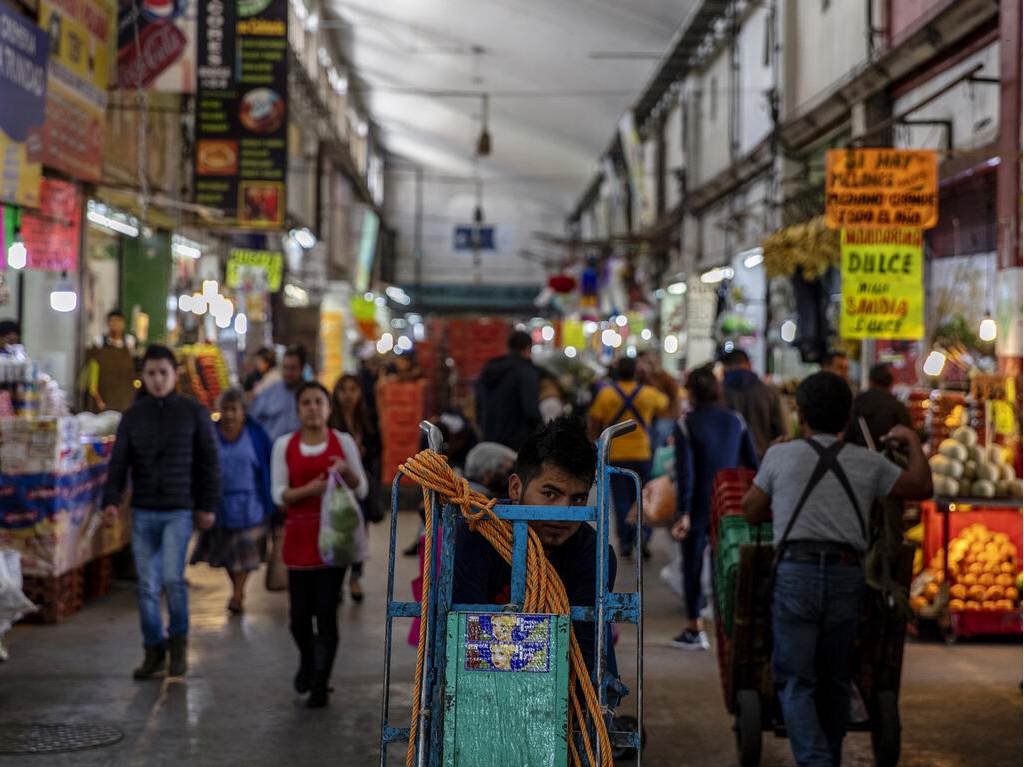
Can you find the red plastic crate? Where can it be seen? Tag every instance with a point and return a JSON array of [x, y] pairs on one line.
[[970, 623]]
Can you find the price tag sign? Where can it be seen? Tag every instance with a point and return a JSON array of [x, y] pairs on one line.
[[881, 188], [883, 284]]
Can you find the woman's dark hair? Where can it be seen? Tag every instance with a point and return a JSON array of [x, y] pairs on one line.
[[824, 400], [624, 369], [268, 355], [562, 443], [361, 421], [157, 352], [231, 397], [703, 386], [307, 385]]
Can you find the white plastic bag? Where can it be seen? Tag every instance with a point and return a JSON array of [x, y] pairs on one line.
[[672, 573], [13, 603], [342, 540]]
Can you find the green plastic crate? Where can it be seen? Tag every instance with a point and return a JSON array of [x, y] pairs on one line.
[[733, 532]]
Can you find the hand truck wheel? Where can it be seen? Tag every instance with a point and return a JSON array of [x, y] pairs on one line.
[[885, 729], [748, 727]]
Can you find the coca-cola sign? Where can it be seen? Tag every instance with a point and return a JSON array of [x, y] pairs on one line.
[[160, 44]]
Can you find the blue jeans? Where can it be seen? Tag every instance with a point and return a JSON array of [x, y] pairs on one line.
[[692, 548], [815, 612], [623, 495], [159, 545]]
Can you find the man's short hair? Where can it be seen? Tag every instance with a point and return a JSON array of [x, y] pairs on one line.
[[307, 385], [115, 313], [825, 401], [735, 357], [9, 326], [562, 443], [297, 351], [624, 369], [519, 341], [829, 357], [881, 375], [702, 385], [158, 352]]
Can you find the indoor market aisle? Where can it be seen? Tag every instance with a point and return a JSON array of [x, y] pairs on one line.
[[236, 706]]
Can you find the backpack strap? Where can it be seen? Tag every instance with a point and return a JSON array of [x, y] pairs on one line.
[[627, 405]]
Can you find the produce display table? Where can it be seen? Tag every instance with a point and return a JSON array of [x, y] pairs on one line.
[[989, 522], [53, 520]]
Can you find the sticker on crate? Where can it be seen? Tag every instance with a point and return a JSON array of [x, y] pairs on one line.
[[518, 643]]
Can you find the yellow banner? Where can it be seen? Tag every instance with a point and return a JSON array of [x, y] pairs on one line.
[[572, 334], [883, 284]]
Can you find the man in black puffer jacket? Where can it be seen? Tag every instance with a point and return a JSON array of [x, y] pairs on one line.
[[167, 444]]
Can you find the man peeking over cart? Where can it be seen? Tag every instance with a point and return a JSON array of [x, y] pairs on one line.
[[818, 492], [556, 466]]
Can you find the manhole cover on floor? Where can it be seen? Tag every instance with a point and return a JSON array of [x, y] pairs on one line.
[[50, 738]]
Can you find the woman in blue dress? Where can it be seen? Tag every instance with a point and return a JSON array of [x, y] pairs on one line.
[[237, 541]]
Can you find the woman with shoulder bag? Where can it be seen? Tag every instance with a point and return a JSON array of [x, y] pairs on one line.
[[301, 464], [707, 439]]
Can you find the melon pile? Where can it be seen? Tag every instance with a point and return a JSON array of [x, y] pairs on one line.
[[964, 469], [984, 573]]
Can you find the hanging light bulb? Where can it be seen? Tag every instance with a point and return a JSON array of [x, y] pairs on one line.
[[17, 255], [63, 297], [935, 363], [988, 330], [483, 143]]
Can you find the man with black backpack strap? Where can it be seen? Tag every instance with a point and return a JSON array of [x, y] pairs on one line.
[[625, 399], [818, 492]]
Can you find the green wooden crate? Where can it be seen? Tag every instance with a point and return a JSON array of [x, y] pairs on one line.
[[733, 532], [506, 690]]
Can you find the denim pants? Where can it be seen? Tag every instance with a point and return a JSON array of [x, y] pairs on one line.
[[623, 495], [815, 612], [692, 548], [159, 545]]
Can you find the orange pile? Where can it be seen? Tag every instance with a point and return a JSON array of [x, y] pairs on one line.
[[983, 573]]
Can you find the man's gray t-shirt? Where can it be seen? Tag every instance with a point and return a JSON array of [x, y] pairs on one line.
[[828, 514]]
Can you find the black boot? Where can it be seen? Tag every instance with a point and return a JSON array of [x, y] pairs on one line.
[[179, 656], [323, 659], [153, 664], [318, 695], [303, 681]]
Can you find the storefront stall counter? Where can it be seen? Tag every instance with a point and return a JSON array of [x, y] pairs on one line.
[[50, 513]]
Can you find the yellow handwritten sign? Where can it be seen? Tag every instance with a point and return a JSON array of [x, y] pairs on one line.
[[267, 261], [868, 188], [882, 283]]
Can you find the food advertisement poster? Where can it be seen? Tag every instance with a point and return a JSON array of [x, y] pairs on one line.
[[156, 44], [881, 188], [81, 34], [882, 284], [24, 49], [242, 120], [51, 234]]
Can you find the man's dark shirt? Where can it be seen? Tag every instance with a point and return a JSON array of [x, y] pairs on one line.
[[483, 577], [881, 411]]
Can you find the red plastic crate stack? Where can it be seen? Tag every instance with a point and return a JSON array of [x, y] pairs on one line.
[[473, 341], [400, 405], [428, 357], [729, 488], [57, 596]]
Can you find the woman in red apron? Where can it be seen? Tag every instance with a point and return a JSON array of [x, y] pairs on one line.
[[300, 464]]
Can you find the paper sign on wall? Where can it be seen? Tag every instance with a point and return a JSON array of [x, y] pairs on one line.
[[882, 284], [882, 188]]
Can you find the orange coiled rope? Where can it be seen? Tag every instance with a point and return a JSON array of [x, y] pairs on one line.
[[545, 593]]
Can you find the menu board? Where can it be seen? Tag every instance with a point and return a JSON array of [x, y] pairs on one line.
[[883, 284], [81, 34], [882, 188], [51, 234], [241, 110], [24, 49]]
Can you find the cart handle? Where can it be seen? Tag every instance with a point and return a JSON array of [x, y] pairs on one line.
[[616, 430], [435, 440]]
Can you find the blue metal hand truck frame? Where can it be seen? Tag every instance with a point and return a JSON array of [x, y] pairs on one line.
[[609, 606]]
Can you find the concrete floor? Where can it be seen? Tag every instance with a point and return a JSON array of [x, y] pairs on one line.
[[961, 705]]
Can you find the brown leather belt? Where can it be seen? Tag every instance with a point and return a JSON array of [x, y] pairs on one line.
[[821, 553]]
